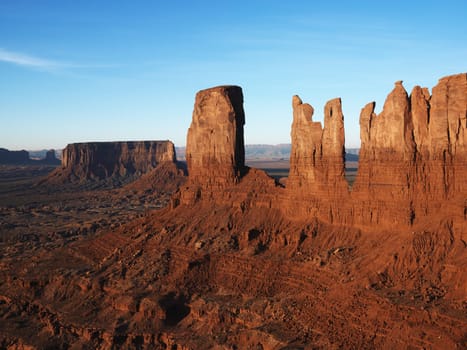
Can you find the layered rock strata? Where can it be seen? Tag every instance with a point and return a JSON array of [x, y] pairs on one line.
[[102, 160], [387, 160], [215, 151], [413, 158], [317, 165], [413, 154]]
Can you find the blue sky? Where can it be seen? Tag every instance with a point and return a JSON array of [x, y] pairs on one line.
[[76, 71]]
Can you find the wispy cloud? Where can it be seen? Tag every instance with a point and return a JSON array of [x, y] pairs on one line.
[[35, 62], [25, 60]]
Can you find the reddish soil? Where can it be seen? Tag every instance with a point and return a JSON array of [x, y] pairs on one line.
[[106, 269]]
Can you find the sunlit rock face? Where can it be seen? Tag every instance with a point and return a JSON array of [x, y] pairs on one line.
[[387, 159], [317, 157], [413, 154], [215, 150], [102, 160]]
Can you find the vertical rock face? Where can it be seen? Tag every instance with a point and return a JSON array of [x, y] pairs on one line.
[[101, 160], [413, 158], [306, 146], [441, 142], [413, 154], [387, 160], [215, 150], [317, 156], [316, 183]]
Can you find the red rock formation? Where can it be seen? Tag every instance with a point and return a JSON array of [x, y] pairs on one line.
[[317, 157], [413, 154], [387, 161], [316, 178], [233, 270], [447, 135], [102, 160], [215, 150]]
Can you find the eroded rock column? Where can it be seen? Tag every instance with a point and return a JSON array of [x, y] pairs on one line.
[[317, 156], [215, 150], [387, 162], [316, 183]]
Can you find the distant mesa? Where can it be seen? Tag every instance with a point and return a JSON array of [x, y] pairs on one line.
[[272, 152], [13, 157], [50, 158], [101, 161], [23, 157]]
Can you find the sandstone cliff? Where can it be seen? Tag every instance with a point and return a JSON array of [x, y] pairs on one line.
[[412, 159], [387, 157], [413, 154], [104, 160], [317, 157], [215, 150]]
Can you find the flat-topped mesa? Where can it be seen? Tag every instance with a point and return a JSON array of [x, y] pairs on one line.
[[317, 155], [215, 151], [102, 160]]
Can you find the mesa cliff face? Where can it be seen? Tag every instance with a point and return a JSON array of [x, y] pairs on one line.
[[103, 160]]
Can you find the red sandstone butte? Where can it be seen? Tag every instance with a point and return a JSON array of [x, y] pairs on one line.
[[215, 152], [103, 160]]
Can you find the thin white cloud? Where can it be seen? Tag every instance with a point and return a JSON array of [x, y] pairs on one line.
[[35, 62], [21, 59]]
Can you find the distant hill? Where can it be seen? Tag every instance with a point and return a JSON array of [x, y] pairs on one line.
[[13, 157], [41, 154], [24, 157], [272, 152]]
